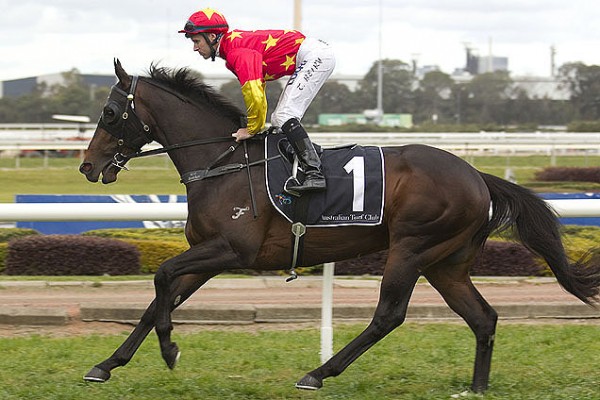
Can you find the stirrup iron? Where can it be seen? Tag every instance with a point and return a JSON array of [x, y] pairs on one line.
[[293, 180]]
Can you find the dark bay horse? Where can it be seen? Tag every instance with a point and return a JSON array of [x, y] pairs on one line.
[[436, 219]]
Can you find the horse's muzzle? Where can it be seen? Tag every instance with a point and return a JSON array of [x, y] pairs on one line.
[[86, 169]]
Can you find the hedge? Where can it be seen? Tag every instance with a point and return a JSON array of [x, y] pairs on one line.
[[70, 255], [155, 245], [154, 252], [569, 174], [499, 257], [6, 234], [3, 252], [171, 234]]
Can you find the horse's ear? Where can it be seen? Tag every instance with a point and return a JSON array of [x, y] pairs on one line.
[[124, 78]]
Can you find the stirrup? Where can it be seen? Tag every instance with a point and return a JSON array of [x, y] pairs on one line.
[[293, 275], [293, 179], [294, 182]]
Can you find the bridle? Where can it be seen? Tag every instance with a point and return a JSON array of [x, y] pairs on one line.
[[121, 121]]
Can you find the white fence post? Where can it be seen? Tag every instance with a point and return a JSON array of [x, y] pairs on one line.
[[327, 313]]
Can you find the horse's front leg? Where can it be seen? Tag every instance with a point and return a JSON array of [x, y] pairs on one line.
[[210, 257], [181, 290]]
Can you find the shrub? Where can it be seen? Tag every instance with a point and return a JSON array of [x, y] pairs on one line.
[[580, 241], [6, 234], [369, 264], [570, 174], [154, 245], [497, 258], [154, 252], [3, 251], [584, 126], [507, 259], [70, 255], [173, 234]]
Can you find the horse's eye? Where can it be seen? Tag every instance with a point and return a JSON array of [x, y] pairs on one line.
[[109, 114]]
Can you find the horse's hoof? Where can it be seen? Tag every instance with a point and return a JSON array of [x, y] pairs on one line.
[[309, 382], [97, 375], [172, 356]]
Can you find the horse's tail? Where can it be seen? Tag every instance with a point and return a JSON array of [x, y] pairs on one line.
[[538, 228]]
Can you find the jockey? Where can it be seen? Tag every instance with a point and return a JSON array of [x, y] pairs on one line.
[[264, 55]]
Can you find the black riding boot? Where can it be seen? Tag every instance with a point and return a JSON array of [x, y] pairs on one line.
[[307, 156]]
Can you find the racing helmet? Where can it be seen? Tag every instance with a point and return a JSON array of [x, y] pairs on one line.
[[205, 21]]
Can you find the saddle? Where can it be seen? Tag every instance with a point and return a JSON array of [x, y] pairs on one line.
[[355, 185], [354, 194]]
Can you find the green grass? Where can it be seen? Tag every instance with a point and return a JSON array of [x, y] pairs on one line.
[[156, 175], [429, 361], [525, 167]]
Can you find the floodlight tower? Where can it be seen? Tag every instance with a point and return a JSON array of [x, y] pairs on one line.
[[380, 70], [298, 15]]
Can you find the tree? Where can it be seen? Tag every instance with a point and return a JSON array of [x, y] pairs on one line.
[[398, 82], [487, 94], [433, 97], [583, 82], [33, 107], [73, 96], [233, 92], [333, 98]]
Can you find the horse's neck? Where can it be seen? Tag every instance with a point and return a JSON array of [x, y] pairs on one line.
[[197, 152], [185, 124]]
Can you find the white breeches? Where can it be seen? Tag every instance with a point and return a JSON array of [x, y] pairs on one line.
[[314, 64]]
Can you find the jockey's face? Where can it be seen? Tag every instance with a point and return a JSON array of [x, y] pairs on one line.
[[201, 45]]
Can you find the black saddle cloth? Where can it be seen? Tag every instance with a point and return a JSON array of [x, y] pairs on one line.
[[355, 185]]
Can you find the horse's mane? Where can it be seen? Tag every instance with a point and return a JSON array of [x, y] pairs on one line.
[[188, 84]]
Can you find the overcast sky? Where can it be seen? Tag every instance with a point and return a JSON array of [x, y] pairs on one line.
[[49, 36]]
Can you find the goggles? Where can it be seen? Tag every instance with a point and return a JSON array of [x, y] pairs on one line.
[[192, 28]]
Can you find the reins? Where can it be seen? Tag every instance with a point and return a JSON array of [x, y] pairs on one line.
[[166, 149], [211, 171], [120, 159]]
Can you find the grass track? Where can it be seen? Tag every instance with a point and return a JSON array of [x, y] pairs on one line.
[[418, 361]]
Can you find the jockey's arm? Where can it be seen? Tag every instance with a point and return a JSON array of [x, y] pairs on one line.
[[247, 65]]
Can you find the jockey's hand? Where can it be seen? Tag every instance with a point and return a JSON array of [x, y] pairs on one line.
[[241, 134]]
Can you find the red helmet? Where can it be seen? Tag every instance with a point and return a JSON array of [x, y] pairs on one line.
[[206, 20]]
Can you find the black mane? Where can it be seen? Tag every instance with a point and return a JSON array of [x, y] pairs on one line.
[[189, 85]]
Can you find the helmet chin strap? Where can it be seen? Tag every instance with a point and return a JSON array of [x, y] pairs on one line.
[[212, 44]]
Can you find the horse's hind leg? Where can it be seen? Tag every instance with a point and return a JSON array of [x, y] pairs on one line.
[[181, 290], [398, 282], [455, 286]]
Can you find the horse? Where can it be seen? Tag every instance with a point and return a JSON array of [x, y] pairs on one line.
[[438, 212]]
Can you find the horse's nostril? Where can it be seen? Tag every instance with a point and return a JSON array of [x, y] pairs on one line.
[[85, 168]]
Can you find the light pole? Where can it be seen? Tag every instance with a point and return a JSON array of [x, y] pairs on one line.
[[380, 70], [298, 15]]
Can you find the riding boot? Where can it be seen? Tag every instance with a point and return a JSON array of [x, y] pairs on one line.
[[307, 156]]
